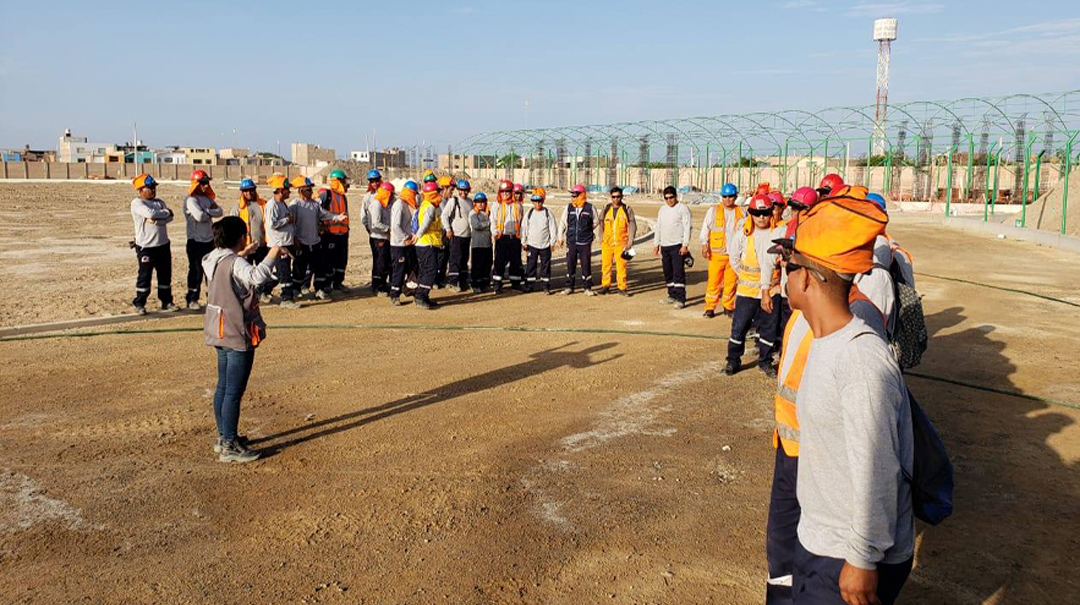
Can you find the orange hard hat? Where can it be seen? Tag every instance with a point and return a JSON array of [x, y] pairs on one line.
[[445, 181], [278, 181]]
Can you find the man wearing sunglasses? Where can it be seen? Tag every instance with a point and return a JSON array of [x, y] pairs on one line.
[[671, 239], [750, 250], [855, 533], [618, 227]]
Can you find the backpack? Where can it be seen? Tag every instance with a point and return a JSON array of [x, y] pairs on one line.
[[931, 477], [908, 338]]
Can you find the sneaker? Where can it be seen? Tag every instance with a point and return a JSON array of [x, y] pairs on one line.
[[381, 293], [731, 368], [454, 288], [304, 291], [624, 293], [680, 304], [193, 305], [568, 291], [603, 291], [395, 300], [171, 307], [232, 451], [667, 301], [590, 293], [218, 442], [140, 310], [265, 299], [322, 295], [767, 369], [289, 304], [710, 314]]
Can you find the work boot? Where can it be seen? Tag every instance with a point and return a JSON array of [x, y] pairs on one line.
[[395, 300], [590, 292], [767, 369], [171, 307], [232, 451], [667, 301], [568, 291], [265, 299], [731, 368], [193, 305], [603, 291], [423, 303], [218, 442], [680, 304], [729, 313], [322, 295], [140, 310], [304, 291], [624, 293], [289, 304], [710, 314]]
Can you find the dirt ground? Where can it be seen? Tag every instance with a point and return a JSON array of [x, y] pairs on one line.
[[409, 465]]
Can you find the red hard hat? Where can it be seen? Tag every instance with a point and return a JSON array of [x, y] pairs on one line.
[[762, 188], [761, 202], [777, 198], [200, 175], [577, 189], [519, 188], [387, 185], [832, 182], [428, 186], [505, 186], [804, 196]]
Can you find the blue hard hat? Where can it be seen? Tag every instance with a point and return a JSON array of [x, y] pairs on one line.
[[877, 199], [412, 185], [729, 190], [373, 174], [463, 185], [247, 185], [479, 197]]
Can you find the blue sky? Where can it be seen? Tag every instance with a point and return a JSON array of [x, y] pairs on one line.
[[328, 72]]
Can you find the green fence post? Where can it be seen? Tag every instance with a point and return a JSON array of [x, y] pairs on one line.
[[1027, 165], [997, 175], [986, 185], [1065, 192], [948, 181], [971, 166]]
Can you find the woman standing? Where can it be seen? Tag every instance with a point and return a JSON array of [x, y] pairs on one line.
[[234, 326]]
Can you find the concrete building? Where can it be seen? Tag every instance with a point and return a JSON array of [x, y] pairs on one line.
[[233, 153], [465, 162], [79, 149], [203, 156], [387, 158], [308, 154], [171, 157]]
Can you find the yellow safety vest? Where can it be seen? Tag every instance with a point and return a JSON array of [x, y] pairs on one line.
[[749, 271], [433, 235], [616, 227], [718, 235]]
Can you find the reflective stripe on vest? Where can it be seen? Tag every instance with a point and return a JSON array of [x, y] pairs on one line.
[[749, 271], [433, 235], [616, 227], [790, 377], [500, 218], [338, 205], [718, 234]]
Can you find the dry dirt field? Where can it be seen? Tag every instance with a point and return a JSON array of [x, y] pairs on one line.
[[581, 450]]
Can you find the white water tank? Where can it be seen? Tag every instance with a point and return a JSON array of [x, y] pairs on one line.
[[884, 29]]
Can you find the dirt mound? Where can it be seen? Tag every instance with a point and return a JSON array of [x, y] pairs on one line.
[[1045, 212]]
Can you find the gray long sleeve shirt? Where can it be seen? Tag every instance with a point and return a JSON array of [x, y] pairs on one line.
[[365, 210], [255, 222], [480, 227], [308, 215], [279, 230], [400, 222], [200, 217], [855, 444], [455, 215], [539, 228], [673, 225], [378, 218], [150, 218]]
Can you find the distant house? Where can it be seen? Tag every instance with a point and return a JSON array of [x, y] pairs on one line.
[[79, 149], [307, 154], [204, 156], [171, 157]]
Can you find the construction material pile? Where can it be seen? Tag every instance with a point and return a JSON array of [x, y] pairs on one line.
[[1045, 212]]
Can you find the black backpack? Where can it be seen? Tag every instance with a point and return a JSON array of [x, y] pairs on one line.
[[931, 475], [909, 337]]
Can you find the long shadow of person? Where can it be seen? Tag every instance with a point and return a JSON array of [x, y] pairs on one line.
[[538, 363], [1016, 524]]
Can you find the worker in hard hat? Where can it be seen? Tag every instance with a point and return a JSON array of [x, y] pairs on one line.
[[618, 228], [335, 240], [455, 219], [480, 244], [856, 531], [577, 229], [446, 191], [829, 183], [308, 214], [429, 242], [281, 232], [380, 219], [539, 232], [671, 242], [151, 217], [200, 210], [374, 180], [722, 222], [800, 201], [753, 303], [506, 216], [402, 239], [784, 512], [251, 208]]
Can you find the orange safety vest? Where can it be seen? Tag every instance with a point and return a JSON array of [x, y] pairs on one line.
[[500, 218], [718, 235], [616, 227], [789, 378], [339, 204]]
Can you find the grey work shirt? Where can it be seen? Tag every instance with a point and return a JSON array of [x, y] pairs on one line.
[[150, 218], [673, 225], [200, 213], [308, 215], [455, 216], [400, 222], [378, 217], [279, 230], [480, 227]]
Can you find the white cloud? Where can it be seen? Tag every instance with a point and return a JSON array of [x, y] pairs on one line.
[[810, 5], [892, 9], [1049, 37]]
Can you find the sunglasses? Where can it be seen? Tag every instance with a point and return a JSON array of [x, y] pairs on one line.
[[790, 267], [617, 196], [669, 197], [754, 212]]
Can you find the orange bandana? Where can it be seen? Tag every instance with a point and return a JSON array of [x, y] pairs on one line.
[[337, 187], [433, 197], [383, 195], [209, 193], [578, 201], [409, 197]]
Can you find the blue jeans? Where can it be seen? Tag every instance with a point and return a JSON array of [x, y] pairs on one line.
[[233, 368]]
